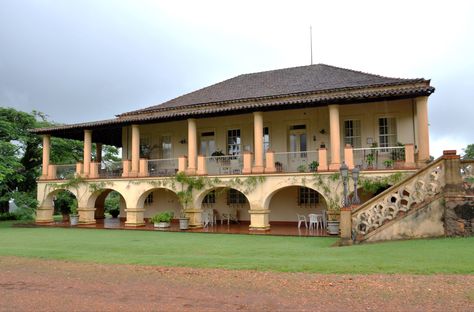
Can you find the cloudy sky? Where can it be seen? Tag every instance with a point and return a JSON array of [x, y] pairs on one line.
[[81, 60]]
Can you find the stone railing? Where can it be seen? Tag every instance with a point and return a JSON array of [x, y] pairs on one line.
[[400, 198], [467, 174]]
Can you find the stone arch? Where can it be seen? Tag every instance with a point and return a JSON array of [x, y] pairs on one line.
[[283, 203], [97, 200], [48, 198], [222, 206], [163, 199], [267, 198], [92, 199]]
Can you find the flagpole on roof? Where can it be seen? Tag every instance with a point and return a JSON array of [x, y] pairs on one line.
[[311, 42]]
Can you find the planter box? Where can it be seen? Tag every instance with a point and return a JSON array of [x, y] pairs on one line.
[[161, 225], [74, 219], [183, 223], [333, 227]]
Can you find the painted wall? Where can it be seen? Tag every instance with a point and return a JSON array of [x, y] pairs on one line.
[[284, 205]]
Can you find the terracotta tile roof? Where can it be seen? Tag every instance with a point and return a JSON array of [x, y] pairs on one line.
[[281, 82]]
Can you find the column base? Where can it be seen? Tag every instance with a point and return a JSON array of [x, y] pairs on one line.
[[135, 217], [86, 215], [190, 171], [270, 170], [258, 169], [44, 215], [259, 219], [334, 166], [132, 224], [195, 218], [259, 229]]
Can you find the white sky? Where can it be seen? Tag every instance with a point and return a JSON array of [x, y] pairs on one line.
[[87, 60]]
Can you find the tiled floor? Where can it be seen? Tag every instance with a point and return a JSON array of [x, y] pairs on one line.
[[242, 228]]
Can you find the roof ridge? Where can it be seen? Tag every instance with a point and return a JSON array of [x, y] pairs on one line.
[[367, 73]]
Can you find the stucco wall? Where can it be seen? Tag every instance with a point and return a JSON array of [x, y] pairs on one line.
[[284, 205]]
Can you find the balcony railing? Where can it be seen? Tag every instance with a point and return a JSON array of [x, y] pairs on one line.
[[379, 157], [230, 164], [296, 161], [64, 172], [162, 167], [111, 169]]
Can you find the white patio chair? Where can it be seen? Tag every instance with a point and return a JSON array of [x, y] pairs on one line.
[[205, 217], [302, 218], [315, 220], [325, 219]]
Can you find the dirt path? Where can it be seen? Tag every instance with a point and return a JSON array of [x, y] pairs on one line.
[[47, 285]]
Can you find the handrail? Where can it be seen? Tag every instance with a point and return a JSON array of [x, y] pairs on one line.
[[397, 185]]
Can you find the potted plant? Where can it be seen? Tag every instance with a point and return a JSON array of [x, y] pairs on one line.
[[278, 166], [74, 216], [388, 163], [333, 221], [313, 166], [370, 159], [62, 203], [162, 220], [398, 155], [114, 212], [301, 168]]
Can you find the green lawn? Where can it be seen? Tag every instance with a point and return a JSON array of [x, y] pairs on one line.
[[276, 253]]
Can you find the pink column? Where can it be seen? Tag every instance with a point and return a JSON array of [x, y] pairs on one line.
[[135, 151], [423, 130], [46, 153], [258, 142], [192, 146], [335, 137], [270, 162], [323, 159], [349, 156], [87, 151]]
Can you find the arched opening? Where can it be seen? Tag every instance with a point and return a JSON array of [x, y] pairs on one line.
[[226, 204], [288, 202], [109, 204], [159, 200], [64, 203]]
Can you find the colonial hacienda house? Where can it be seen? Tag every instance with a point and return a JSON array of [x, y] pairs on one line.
[[260, 148]]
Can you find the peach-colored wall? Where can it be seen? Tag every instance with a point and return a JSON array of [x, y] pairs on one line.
[[284, 205], [163, 200]]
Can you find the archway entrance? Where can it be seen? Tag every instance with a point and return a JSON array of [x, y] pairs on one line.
[[64, 203], [289, 202], [109, 204], [226, 206]]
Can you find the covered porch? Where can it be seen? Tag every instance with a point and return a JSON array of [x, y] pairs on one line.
[[277, 228]]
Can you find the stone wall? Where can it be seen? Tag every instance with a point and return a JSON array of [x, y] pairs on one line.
[[459, 217]]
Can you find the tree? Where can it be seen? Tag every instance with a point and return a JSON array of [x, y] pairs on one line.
[[21, 151], [468, 152]]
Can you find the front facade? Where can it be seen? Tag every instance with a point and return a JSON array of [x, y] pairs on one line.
[[264, 147]]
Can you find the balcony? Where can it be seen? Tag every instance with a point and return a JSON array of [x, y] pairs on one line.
[[380, 158]]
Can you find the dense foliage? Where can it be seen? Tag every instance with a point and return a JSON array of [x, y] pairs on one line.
[[21, 153], [468, 152]]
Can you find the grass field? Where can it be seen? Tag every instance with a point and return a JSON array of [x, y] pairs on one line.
[[275, 253]]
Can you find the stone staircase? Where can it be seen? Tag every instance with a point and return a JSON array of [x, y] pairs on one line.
[[413, 208]]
